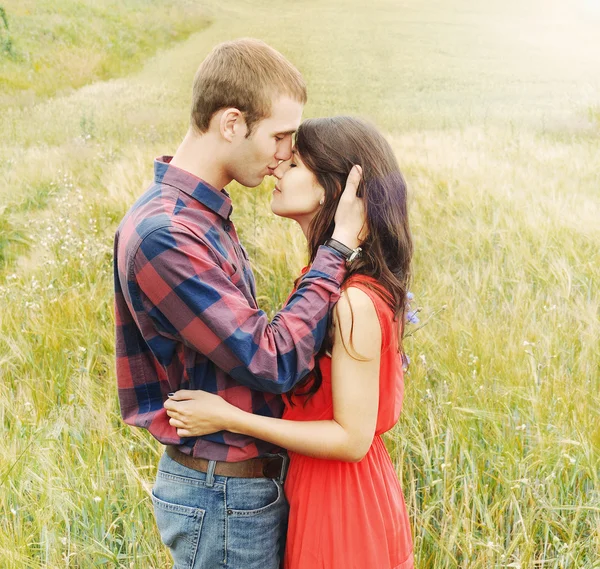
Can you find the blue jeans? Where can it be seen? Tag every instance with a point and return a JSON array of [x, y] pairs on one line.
[[219, 522]]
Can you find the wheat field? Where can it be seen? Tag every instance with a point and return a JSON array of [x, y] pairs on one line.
[[493, 110]]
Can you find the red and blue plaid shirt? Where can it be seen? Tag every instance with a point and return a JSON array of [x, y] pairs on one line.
[[187, 316]]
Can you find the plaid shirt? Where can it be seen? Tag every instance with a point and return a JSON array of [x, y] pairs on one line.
[[187, 316]]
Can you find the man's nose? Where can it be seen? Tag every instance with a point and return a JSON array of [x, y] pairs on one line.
[[284, 149]]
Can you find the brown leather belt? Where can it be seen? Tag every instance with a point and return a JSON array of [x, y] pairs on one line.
[[268, 467]]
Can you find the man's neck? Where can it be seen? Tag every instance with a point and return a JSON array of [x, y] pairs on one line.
[[197, 155]]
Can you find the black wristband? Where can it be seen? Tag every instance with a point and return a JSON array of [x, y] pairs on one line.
[[346, 252]]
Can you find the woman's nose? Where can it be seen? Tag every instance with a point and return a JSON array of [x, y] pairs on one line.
[[281, 169]]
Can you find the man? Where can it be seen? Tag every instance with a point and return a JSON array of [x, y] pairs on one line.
[[187, 316]]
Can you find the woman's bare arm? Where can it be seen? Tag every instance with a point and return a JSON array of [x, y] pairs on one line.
[[355, 381]]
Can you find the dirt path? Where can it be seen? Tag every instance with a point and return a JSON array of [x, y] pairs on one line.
[[411, 67]]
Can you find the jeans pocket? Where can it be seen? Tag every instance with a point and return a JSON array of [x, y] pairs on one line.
[[249, 497], [256, 536], [180, 527]]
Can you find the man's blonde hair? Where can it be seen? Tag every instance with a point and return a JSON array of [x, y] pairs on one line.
[[246, 74]]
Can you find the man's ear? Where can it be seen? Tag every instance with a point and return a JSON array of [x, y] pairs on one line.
[[232, 124]]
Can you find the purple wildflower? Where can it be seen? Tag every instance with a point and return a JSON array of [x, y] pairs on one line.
[[411, 317]]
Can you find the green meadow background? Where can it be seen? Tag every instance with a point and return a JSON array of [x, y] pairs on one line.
[[493, 109]]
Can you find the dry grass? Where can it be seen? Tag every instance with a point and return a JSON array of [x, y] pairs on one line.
[[498, 446]]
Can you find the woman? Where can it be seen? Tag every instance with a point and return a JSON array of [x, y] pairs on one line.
[[346, 505]]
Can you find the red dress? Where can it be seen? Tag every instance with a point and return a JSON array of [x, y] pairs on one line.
[[350, 515]]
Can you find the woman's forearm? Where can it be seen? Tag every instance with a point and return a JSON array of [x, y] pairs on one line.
[[319, 439], [355, 396]]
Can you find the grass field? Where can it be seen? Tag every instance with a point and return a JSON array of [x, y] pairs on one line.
[[493, 110]]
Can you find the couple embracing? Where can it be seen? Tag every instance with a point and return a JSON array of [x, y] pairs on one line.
[[272, 427]]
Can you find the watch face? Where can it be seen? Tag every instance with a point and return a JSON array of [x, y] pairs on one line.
[[355, 254]]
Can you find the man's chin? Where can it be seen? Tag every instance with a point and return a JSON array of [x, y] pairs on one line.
[[253, 182]]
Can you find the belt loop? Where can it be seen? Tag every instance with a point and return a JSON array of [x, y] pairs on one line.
[[284, 466], [210, 473]]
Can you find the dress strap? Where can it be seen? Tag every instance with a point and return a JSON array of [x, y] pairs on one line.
[[382, 300], [370, 284]]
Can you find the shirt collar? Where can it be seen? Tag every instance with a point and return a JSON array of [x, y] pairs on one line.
[[213, 199]]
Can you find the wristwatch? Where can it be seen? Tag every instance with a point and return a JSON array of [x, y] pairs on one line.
[[346, 252]]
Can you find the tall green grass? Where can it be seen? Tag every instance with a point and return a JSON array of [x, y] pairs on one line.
[[49, 47], [498, 445]]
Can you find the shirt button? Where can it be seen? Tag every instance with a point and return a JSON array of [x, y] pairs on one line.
[[227, 227]]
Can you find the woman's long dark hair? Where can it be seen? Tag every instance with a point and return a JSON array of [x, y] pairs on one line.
[[329, 147]]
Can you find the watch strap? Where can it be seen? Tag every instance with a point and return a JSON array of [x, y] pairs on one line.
[[346, 252], [340, 248]]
